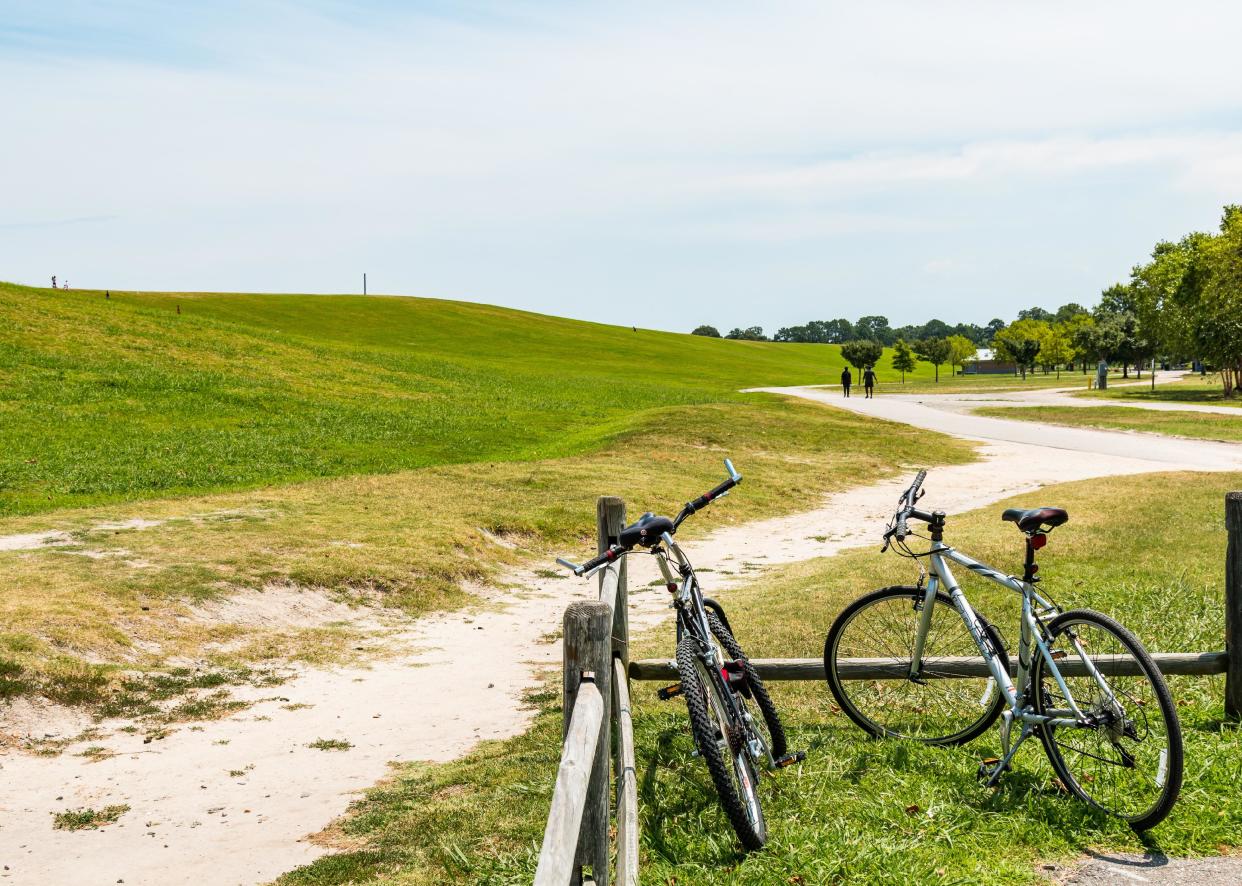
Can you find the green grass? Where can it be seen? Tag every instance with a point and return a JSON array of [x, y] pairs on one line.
[[105, 400], [364, 451], [87, 819], [1189, 389], [858, 811], [1199, 425]]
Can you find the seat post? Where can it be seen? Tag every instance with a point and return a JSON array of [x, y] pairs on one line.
[[1029, 566]]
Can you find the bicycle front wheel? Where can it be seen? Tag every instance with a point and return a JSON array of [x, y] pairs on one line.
[[1125, 757], [773, 731], [721, 741], [938, 707]]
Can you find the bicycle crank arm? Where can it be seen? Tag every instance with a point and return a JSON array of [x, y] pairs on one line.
[[789, 759]]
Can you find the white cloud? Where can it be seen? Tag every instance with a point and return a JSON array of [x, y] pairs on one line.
[[301, 142]]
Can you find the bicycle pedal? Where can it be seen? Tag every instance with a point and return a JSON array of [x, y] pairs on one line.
[[987, 769], [789, 759], [669, 692]]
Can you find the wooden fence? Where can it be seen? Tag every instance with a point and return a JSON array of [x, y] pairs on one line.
[[596, 641], [597, 671]]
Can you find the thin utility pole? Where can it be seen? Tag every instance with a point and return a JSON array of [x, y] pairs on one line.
[[364, 283]]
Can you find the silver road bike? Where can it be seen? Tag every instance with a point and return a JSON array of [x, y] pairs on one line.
[[1082, 683]]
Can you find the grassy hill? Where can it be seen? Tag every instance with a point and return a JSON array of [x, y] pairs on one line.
[[368, 450], [157, 394]]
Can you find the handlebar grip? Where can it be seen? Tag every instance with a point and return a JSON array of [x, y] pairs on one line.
[[918, 482], [595, 562], [707, 497]]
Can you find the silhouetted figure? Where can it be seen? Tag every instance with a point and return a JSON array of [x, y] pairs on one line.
[[846, 380], [869, 383], [107, 294], [178, 310], [53, 281]]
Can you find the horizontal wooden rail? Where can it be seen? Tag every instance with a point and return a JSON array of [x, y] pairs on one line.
[[560, 837], [888, 669]]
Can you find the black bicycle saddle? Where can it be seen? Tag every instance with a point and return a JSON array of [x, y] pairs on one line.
[[1029, 520], [646, 531]]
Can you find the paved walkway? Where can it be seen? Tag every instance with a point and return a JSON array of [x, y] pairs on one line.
[[949, 414]]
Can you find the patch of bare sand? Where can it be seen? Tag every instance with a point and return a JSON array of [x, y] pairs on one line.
[[464, 684]]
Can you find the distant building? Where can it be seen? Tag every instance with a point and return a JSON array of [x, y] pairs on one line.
[[985, 363]]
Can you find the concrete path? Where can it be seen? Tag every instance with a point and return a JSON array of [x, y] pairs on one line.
[[1127, 869], [948, 414]]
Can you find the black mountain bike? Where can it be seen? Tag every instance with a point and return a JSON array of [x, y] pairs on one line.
[[716, 679]]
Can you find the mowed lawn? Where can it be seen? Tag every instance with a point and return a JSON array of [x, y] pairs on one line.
[[859, 811], [1188, 389], [379, 451], [1198, 425], [157, 394]]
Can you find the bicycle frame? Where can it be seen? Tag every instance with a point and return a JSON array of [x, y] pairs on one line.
[[692, 616], [1034, 609]]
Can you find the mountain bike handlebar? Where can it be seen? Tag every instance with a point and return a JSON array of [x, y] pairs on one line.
[[707, 498], [614, 552]]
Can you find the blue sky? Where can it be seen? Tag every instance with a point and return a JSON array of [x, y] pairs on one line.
[[646, 163]]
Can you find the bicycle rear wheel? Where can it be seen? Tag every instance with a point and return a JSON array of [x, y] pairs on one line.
[[936, 709], [722, 745], [1129, 762]]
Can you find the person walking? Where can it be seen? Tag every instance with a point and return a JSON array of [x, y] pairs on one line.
[[846, 380], [53, 281], [869, 383]]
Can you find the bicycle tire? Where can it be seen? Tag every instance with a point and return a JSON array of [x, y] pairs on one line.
[[731, 774], [1087, 777], [777, 742], [990, 703]]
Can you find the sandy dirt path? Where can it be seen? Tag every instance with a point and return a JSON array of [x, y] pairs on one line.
[[1067, 396], [233, 802]]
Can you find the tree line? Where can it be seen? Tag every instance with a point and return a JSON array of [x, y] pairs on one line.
[[1185, 303]]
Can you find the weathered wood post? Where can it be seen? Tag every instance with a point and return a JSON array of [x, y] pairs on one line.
[[588, 651], [610, 518], [1233, 605]]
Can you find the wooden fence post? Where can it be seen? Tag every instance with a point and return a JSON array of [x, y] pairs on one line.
[[1233, 605], [610, 518], [588, 650]]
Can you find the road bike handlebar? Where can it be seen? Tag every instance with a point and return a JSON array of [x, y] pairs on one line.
[[906, 509]]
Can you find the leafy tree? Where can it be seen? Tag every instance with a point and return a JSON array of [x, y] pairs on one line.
[[710, 331], [1217, 314], [934, 351], [961, 349], [1119, 302], [1079, 330], [862, 353], [1106, 337], [1056, 348], [1066, 312], [1037, 313], [903, 359], [751, 333], [1019, 343], [874, 328], [838, 331], [989, 331]]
